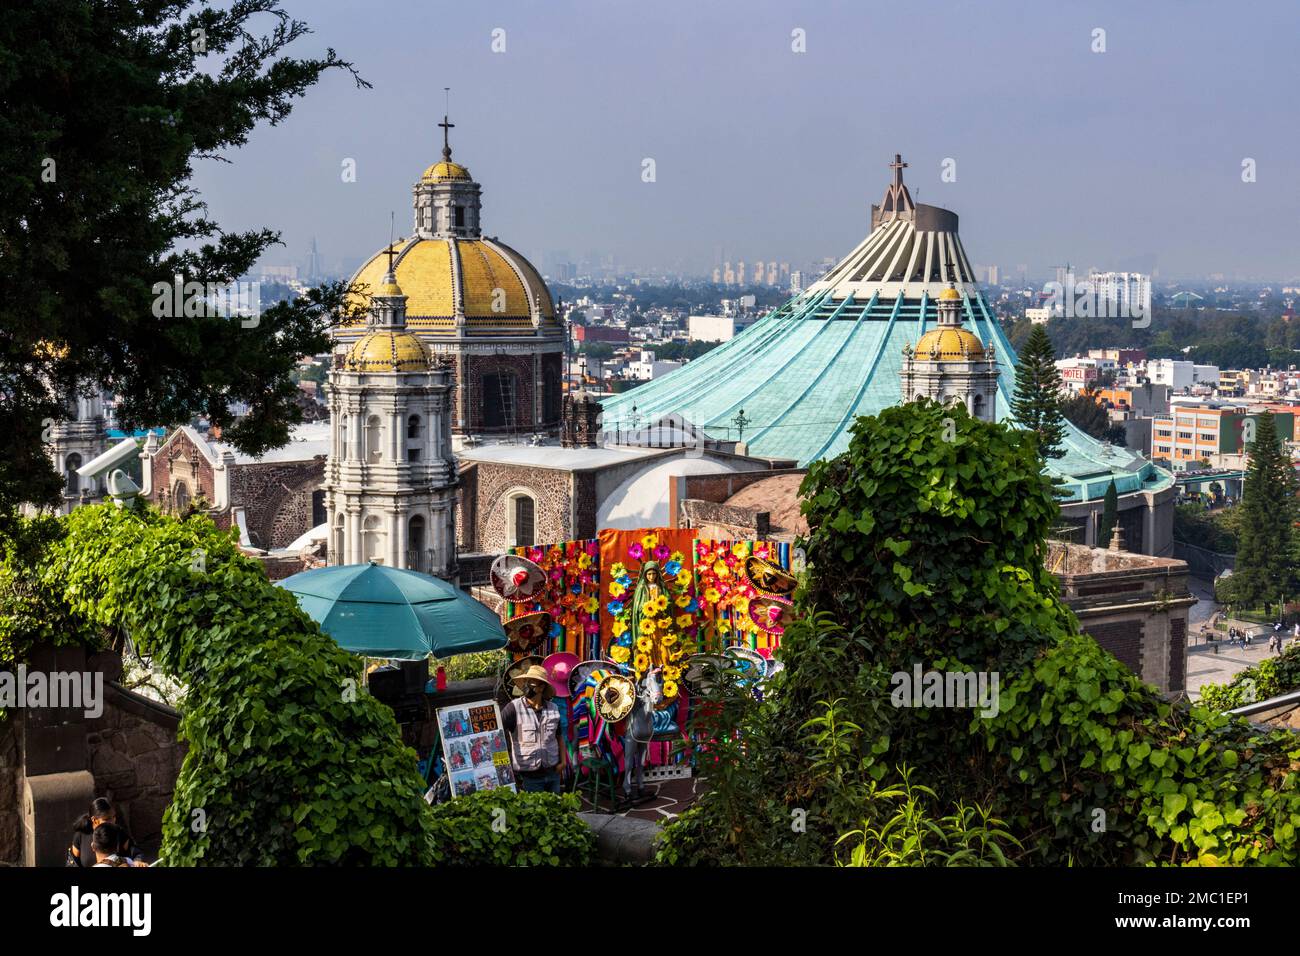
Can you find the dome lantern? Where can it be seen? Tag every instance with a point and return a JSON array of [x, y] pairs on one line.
[[447, 202]]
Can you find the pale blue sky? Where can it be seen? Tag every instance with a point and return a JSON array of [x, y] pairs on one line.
[[1128, 157]]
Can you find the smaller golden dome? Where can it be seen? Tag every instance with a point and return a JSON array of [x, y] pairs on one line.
[[388, 351], [444, 171], [953, 345], [389, 288], [949, 294]]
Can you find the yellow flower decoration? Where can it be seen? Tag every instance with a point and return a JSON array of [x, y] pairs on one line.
[[683, 621], [616, 590], [584, 560], [618, 569], [712, 595], [678, 557], [647, 625], [620, 628], [670, 688], [683, 600], [650, 542], [641, 662], [644, 644], [740, 549], [592, 605], [719, 568], [618, 653], [661, 603], [684, 578], [672, 673], [741, 605], [668, 640]]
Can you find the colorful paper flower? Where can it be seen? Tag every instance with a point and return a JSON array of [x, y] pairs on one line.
[[683, 578], [641, 662], [670, 688], [672, 568], [684, 621], [616, 590], [647, 625], [650, 541], [636, 552], [619, 628], [644, 644], [615, 608], [682, 600], [661, 553], [619, 654], [592, 605]]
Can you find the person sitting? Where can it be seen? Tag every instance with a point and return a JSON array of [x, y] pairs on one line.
[[105, 842], [80, 851]]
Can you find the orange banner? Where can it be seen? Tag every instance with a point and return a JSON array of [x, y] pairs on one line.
[[631, 549]]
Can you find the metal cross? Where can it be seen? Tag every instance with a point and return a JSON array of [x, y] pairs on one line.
[[446, 143], [740, 421], [898, 166]]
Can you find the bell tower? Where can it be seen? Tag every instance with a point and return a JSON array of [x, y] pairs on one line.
[[447, 200]]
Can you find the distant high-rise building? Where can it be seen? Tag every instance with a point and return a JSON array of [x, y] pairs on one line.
[[993, 275], [728, 274], [1124, 290], [740, 273], [314, 270], [796, 281], [771, 273], [717, 276]]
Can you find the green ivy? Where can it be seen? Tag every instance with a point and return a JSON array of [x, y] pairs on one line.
[[1269, 678], [504, 828], [289, 760]]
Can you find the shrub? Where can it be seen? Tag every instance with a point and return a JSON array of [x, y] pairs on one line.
[[1269, 678], [504, 828], [289, 761]]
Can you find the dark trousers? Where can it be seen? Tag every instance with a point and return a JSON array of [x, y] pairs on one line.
[[545, 782]]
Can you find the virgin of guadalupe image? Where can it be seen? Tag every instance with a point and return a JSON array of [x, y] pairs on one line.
[[649, 585]]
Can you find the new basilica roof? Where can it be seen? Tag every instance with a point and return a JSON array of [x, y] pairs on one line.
[[806, 370]]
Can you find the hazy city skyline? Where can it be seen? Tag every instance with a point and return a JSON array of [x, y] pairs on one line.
[[1125, 159]]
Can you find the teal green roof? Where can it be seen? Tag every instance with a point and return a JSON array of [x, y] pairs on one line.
[[805, 371]]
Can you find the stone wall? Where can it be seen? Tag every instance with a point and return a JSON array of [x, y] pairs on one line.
[[54, 762], [276, 498], [481, 520], [724, 522]]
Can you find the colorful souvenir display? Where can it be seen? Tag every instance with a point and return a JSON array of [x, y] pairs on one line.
[[516, 578], [771, 614], [559, 667], [723, 581], [571, 595], [615, 697], [654, 614]]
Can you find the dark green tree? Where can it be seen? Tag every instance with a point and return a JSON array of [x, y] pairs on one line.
[[103, 109], [1109, 512], [1037, 401], [1266, 530]]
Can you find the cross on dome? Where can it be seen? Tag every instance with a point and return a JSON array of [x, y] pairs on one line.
[[446, 142]]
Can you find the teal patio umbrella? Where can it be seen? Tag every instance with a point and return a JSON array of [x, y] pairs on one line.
[[378, 611]]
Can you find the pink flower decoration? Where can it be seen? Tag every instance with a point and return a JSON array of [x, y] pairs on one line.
[[592, 627], [662, 553], [593, 548], [636, 552]]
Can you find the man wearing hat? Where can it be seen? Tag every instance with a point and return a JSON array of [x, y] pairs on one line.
[[533, 728]]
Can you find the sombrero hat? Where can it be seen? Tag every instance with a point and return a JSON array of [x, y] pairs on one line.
[[581, 671], [538, 673], [525, 632], [559, 667], [771, 614], [749, 662], [615, 698], [516, 578], [768, 578], [509, 687], [702, 671]]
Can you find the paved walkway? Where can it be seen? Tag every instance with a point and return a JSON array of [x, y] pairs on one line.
[[1204, 666]]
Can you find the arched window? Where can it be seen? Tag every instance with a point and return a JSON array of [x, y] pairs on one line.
[[416, 559], [521, 519], [374, 438], [181, 496], [413, 427], [413, 443], [70, 466], [318, 514]]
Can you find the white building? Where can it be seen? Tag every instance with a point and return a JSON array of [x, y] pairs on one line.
[[647, 368], [1038, 316], [1127, 291], [716, 328], [1180, 375], [389, 480]]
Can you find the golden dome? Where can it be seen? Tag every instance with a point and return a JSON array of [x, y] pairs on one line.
[[949, 294], [387, 351], [444, 171], [433, 283], [954, 345]]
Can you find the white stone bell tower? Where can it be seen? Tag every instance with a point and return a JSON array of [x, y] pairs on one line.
[[390, 479]]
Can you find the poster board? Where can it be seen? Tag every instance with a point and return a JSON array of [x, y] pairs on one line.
[[474, 747]]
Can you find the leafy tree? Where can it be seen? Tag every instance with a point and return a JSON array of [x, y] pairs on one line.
[[105, 108], [1109, 513], [930, 551], [1037, 401], [1266, 538]]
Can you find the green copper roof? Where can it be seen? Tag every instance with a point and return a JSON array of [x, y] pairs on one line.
[[803, 372]]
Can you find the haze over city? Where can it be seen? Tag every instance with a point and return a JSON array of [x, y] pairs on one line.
[[1131, 158]]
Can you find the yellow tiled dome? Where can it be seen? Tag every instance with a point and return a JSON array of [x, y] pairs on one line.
[[950, 293], [385, 351], [432, 283], [443, 171], [954, 345]]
